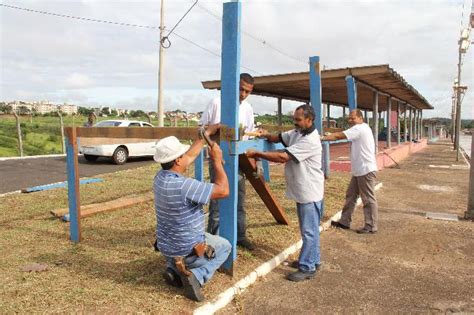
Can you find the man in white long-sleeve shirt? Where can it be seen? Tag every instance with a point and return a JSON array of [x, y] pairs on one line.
[[212, 115]]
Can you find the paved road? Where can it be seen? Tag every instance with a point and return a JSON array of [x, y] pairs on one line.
[[17, 174]]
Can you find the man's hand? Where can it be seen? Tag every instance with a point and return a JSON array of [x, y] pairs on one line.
[[251, 154], [212, 129], [262, 133], [215, 153]]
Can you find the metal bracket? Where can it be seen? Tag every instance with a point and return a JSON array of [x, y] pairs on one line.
[[228, 134]]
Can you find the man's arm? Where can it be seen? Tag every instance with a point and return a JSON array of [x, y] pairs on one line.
[[334, 136], [198, 143], [274, 138], [272, 156], [221, 183]]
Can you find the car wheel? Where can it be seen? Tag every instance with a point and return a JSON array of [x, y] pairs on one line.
[[91, 158], [120, 156]]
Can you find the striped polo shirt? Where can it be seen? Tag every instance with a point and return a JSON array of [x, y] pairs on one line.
[[179, 214]]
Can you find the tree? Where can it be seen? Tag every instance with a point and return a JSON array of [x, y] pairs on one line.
[[114, 112], [84, 111]]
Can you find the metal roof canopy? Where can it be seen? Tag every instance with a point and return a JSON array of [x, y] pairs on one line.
[[381, 78]]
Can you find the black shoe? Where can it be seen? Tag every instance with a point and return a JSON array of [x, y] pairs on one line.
[[365, 231], [301, 275], [245, 243], [338, 225], [192, 288], [295, 264], [172, 278]]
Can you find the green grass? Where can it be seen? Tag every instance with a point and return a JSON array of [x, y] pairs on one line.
[[114, 269]]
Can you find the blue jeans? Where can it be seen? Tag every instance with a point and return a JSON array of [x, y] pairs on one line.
[[213, 221], [201, 267], [309, 216]]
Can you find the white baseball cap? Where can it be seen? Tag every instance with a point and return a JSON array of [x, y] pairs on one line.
[[169, 149]]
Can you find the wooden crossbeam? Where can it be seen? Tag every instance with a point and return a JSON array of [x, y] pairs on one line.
[[249, 167]]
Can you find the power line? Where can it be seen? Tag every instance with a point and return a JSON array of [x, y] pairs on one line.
[[166, 38], [260, 40], [119, 24]]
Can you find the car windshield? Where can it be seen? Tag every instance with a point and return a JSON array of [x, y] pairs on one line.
[[108, 124]]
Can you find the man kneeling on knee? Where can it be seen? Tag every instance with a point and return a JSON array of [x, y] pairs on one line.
[[192, 256]]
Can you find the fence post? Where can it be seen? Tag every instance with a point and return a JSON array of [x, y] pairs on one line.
[[18, 132]]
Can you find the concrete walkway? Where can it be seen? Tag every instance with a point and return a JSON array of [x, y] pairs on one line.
[[412, 265]]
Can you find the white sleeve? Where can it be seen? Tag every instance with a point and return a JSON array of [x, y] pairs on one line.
[[209, 115], [353, 133], [250, 120]]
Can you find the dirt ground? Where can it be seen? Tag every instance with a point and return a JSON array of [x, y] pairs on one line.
[[412, 265]]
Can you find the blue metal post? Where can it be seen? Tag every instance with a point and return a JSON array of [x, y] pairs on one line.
[[315, 91], [199, 167], [351, 92], [73, 185], [230, 78], [326, 159], [316, 100]]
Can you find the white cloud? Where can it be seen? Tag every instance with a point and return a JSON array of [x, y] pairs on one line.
[[104, 63], [78, 81]]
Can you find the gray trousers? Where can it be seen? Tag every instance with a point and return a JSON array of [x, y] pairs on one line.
[[213, 222], [363, 186]]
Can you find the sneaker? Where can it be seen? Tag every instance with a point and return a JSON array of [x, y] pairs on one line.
[[245, 243], [172, 278], [300, 275], [365, 231], [338, 225], [192, 288], [295, 264]]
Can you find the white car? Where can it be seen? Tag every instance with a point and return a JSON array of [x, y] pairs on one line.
[[122, 151]]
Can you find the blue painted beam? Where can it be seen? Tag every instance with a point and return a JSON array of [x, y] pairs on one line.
[[199, 167], [266, 170], [60, 185], [351, 92], [230, 77], [315, 91], [72, 168], [326, 160], [255, 144]]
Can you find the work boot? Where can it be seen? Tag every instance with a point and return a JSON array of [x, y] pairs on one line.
[[172, 278], [339, 225], [296, 264], [300, 275], [245, 243], [366, 231], [192, 287]]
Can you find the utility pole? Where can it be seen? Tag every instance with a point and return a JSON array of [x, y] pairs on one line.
[[463, 46], [160, 69]]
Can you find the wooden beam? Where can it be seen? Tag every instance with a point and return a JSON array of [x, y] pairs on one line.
[[249, 167], [182, 133], [111, 205]]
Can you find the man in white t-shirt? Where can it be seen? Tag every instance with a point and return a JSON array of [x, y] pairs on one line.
[[364, 168], [304, 184], [211, 116]]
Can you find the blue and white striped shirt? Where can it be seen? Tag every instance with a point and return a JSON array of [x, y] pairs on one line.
[[179, 214]]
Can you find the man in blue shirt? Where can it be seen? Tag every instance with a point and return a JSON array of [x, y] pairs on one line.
[[192, 256]]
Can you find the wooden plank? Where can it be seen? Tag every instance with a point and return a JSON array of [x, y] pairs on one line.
[[111, 205], [249, 167], [182, 133]]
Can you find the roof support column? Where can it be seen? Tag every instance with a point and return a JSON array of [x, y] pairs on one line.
[[421, 124], [389, 123], [405, 129], [343, 117], [375, 126], [230, 76], [411, 123], [279, 111], [351, 92], [398, 123], [328, 117], [315, 91], [366, 117]]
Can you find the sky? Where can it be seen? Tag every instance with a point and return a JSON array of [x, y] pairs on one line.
[[45, 57]]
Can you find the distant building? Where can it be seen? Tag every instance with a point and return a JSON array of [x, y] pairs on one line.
[[68, 109]]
